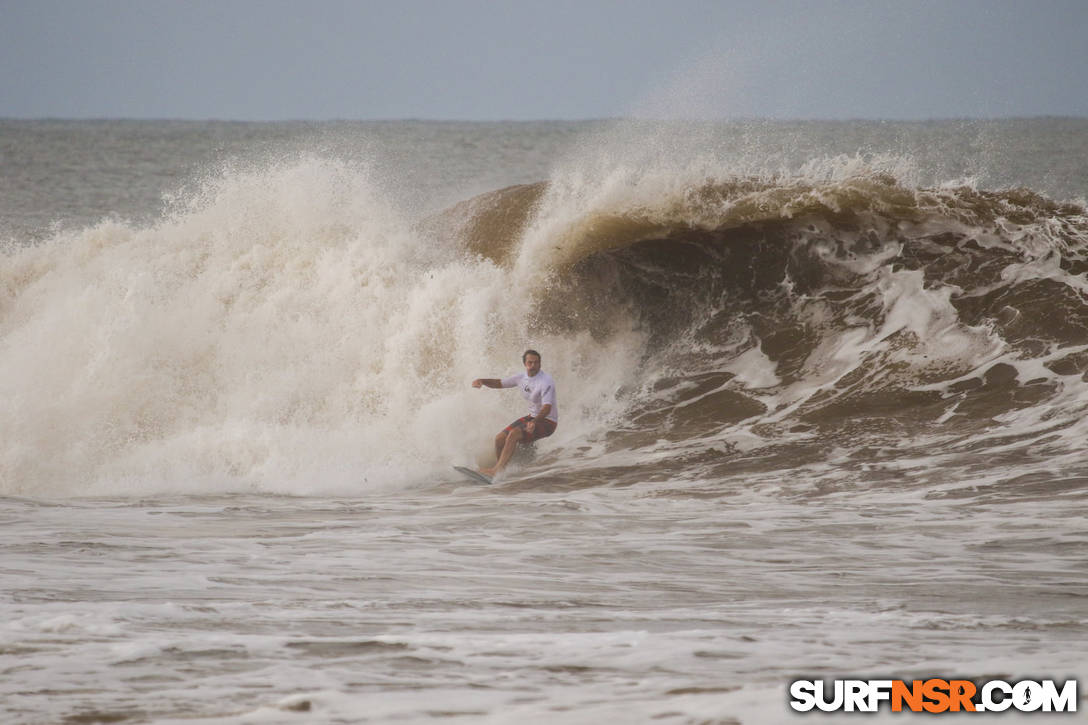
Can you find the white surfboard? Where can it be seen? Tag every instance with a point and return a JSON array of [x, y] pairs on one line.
[[474, 476]]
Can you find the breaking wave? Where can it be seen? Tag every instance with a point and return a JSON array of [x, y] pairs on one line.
[[789, 318], [287, 330]]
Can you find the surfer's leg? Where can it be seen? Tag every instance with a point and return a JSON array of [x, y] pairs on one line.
[[506, 438], [512, 440], [508, 449]]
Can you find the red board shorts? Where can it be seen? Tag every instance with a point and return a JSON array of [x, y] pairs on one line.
[[544, 428]]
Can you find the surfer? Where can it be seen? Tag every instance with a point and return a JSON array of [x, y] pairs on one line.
[[538, 388]]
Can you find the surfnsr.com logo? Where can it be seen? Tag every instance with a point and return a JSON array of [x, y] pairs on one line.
[[933, 695]]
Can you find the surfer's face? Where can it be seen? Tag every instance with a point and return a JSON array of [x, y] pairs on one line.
[[532, 365]]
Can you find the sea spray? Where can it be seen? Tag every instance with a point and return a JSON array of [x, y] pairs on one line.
[[283, 330]]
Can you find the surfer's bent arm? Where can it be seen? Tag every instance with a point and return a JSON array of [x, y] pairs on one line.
[[544, 410], [487, 382]]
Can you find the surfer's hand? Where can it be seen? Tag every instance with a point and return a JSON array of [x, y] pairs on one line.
[[530, 427], [477, 383]]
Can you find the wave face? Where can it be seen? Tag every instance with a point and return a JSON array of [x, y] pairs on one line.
[[851, 322], [288, 329]]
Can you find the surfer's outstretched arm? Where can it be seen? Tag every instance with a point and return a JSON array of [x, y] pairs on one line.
[[487, 382]]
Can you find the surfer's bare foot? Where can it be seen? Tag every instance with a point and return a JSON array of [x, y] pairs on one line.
[[488, 471]]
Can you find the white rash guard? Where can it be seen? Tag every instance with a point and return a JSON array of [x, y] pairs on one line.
[[539, 390]]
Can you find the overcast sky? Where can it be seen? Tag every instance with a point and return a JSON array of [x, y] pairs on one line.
[[542, 59]]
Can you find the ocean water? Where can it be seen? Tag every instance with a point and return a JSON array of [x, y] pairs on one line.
[[823, 391]]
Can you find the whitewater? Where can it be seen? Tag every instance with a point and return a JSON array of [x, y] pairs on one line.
[[824, 390]]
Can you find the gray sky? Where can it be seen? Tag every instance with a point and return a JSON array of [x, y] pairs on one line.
[[542, 59]]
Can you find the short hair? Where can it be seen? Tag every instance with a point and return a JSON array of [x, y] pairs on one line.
[[527, 353]]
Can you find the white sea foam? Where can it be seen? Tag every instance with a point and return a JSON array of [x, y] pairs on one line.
[[284, 330]]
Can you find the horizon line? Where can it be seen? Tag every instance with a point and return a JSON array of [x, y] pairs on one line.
[[588, 119]]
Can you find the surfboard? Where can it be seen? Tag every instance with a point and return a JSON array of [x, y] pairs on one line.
[[474, 476]]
